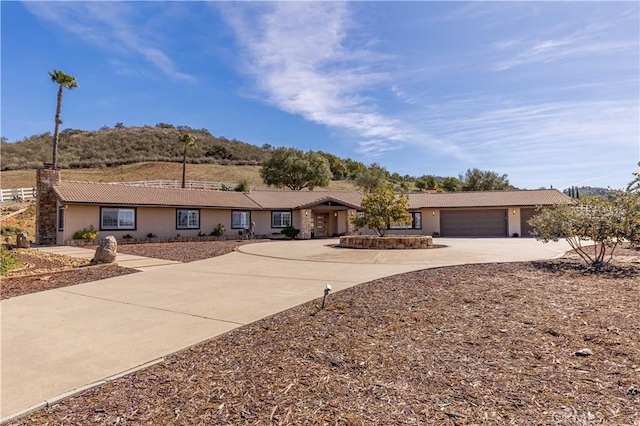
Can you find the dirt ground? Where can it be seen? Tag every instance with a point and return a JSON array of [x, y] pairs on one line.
[[531, 343], [181, 252]]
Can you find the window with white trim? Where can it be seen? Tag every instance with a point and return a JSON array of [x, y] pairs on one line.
[[280, 219], [240, 219], [115, 218], [416, 222], [187, 219]]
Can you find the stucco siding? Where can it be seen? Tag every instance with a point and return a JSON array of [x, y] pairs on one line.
[[210, 218], [513, 216], [430, 221], [78, 217]]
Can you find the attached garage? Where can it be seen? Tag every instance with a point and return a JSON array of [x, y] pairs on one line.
[[473, 223], [525, 215]]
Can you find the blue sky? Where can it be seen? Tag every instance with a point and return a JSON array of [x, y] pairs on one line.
[[545, 92]]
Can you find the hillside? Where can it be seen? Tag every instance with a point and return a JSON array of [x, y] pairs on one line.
[[154, 171], [126, 145]]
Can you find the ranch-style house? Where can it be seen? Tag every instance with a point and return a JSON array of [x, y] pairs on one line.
[[136, 211]]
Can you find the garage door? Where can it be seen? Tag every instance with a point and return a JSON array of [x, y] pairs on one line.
[[473, 223], [525, 215]]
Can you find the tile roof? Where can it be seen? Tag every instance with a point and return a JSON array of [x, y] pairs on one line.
[[296, 199], [116, 194], [537, 197]]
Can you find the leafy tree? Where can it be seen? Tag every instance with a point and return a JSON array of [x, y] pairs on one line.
[[354, 168], [478, 180], [634, 185], [421, 184], [375, 176], [64, 81], [381, 207], [602, 221], [451, 184], [336, 164], [295, 169], [188, 141]]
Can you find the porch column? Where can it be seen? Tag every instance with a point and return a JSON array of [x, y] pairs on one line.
[[305, 224], [351, 228]]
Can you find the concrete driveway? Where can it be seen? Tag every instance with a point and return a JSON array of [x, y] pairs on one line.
[[59, 342]]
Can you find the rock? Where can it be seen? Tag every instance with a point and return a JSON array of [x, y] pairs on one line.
[[106, 252], [584, 352], [22, 240]]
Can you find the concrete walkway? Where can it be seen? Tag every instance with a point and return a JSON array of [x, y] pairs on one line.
[[58, 342]]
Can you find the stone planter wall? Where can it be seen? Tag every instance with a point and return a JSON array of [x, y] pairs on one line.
[[391, 242]]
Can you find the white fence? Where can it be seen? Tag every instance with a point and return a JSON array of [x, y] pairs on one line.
[[25, 194], [193, 184], [18, 194]]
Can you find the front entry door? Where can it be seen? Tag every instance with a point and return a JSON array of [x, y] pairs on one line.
[[322, 225]]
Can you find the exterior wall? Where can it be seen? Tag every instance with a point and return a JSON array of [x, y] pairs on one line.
[[430, 221], [513, 221], [263, 222], [209, 219], [158, 220], [76, 218], [341, 222]]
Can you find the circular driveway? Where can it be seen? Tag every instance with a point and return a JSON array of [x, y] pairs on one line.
[[457, 251]]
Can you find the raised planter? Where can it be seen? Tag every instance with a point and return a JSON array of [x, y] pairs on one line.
[[391, 242]]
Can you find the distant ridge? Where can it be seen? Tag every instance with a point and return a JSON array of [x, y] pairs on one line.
[[111, 146]]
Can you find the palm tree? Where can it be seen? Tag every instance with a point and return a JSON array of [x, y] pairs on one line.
[[64, 81], [188, 141]]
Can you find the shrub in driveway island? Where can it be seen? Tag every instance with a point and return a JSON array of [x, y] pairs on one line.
[[599, 222]]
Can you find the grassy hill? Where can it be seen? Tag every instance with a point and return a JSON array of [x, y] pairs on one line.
[[126, 145], [153, 171]]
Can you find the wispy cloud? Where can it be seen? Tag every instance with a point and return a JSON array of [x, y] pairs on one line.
[[590, 40], [547, 138], [303, 62], [110, 26]]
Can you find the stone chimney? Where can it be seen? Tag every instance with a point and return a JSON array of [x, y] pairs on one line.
[[46, 206]]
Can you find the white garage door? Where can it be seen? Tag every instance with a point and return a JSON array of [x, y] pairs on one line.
[[473, 223]]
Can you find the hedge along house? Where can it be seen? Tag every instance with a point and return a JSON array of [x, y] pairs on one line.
[[121, 210]]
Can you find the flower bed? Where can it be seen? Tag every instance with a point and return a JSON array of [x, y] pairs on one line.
[[391, 242]]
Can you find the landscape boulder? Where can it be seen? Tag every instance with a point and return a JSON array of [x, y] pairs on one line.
[[22, 240], [106, 252]]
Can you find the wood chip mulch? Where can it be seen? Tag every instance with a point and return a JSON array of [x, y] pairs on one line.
[[27, 284], [184, 252], [532, 343]]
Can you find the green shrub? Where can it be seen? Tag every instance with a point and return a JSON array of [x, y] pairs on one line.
[[242, 186], [8, 261], [151, 235], [86, 234], [218, 231], [290, 232]]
